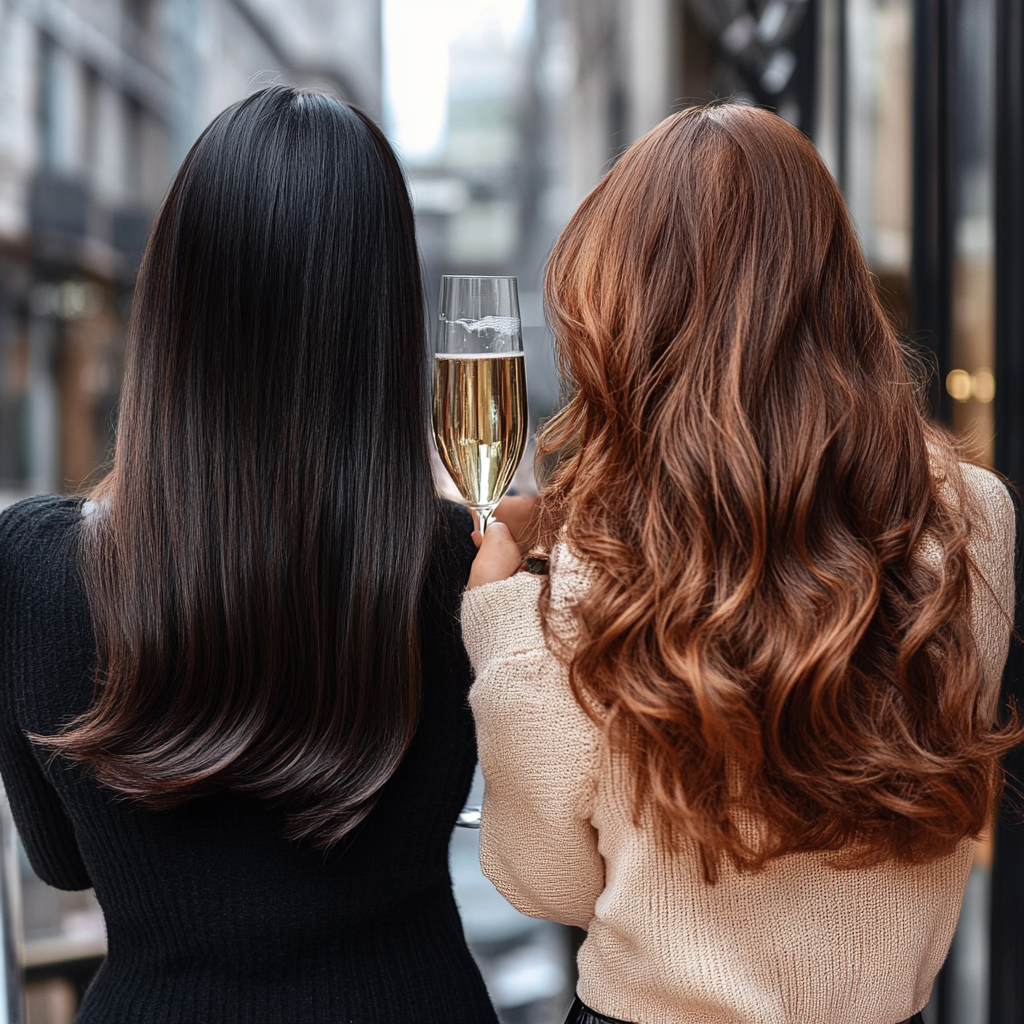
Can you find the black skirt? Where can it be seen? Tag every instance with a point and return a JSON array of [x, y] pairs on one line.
[[580, 1013]]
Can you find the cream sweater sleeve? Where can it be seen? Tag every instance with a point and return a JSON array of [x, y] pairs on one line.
[[991, 548], [538, 751]]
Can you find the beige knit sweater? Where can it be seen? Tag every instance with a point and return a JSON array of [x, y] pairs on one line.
[[801, 942]]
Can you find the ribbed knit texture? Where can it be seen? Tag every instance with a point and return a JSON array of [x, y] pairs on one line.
[[798, 943], [211, 915]]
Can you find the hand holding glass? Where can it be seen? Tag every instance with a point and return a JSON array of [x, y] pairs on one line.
[[480, 413]]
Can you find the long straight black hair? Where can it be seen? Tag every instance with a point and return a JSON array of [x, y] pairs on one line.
[[256, 560]]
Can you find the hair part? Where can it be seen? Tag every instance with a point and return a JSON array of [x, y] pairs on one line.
[[745, 464], [255, 574]]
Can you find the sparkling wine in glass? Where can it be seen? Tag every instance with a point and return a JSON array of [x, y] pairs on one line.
[[480, 414]]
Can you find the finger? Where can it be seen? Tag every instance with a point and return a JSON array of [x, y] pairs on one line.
[[498, 557], [498, 541], [477, 537]]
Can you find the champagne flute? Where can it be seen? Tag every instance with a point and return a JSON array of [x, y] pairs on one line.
[[480, 413]]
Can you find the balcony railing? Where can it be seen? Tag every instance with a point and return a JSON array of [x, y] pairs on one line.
[[11, 1004]]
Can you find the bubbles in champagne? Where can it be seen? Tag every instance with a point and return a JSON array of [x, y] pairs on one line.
[[480, 421]]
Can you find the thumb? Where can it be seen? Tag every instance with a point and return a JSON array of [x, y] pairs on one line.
[[498, 557]]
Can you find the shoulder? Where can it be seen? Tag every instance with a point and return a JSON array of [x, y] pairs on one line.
[[571, 576], [44, 617], [993, 541], [36, 533], [992, 514], [40, 514], [988, 492]]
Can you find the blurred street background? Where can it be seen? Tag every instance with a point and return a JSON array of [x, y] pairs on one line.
[[505, 114]]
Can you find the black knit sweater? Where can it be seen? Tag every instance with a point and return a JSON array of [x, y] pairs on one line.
[[211, 915]]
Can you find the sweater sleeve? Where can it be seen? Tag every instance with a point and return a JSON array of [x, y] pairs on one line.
[[992, 586], [45, 830], [26, 633], [538, 751]]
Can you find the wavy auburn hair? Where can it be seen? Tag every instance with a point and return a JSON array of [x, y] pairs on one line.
[[745, 463]]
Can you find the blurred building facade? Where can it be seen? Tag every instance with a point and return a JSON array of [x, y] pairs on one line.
[[99, 101], [566, 99]]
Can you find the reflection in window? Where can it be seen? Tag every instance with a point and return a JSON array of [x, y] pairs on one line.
[[878, 141], [973, 105]]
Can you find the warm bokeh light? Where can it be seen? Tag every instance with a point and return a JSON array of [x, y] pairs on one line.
[[958, 385], [963, 386], [983, 385]]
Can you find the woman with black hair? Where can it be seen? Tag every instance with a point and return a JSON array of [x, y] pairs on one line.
[[232, 684]]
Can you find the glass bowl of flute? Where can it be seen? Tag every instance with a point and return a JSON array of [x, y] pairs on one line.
[[479, 407]]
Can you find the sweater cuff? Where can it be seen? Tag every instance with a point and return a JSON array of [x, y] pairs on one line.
[[501, 619]]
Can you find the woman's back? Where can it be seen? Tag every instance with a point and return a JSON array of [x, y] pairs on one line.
[[234, 690], [211, 914], [781, 677], [804, 939]]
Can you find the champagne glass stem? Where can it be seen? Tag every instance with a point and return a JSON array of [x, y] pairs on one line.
[[485, 514]]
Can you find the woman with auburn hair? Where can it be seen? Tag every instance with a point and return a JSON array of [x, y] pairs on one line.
[[230, 700], [745, 733]]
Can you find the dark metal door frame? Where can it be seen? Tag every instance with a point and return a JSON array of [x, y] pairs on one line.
[[931, 267], [931, 260]]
